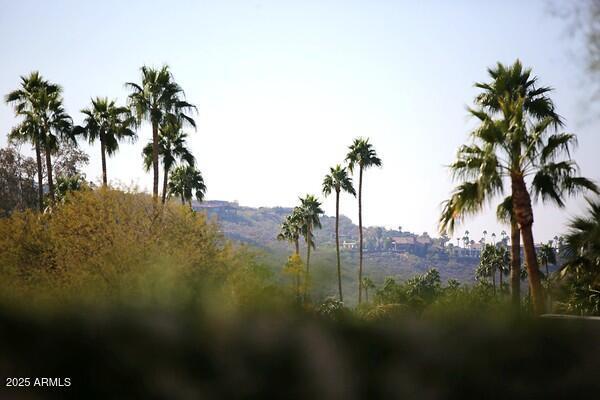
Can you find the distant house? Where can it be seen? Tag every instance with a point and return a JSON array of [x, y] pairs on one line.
[[403, 243], [349, 245]]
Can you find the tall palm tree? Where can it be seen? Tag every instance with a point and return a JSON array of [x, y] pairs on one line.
[[40, 103], [172, 147], [309, 213], [338, 180], [108, 123], [513, 143], [157, 96], [187, 182], [361, 155]]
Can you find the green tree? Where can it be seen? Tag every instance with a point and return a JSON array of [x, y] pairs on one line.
[[513, 143], [66, 184], [493, 260], [309, 213], [367, 284], [157, 96], [106, 122], [44, 121], [361, 155], [581, 268], [187, 182], [336, 181], [291, 229], [547, 256], [172, 147]]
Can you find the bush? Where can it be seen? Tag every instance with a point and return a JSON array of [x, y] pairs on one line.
[[111, 245]]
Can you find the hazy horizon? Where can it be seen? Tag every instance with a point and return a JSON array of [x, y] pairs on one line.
[[282, 89]]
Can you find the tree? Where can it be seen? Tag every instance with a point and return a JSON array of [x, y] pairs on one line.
[[309, 213], [44, 120], [172, 147], [67, 184], [153, 100], [547, 256], [513, 143], [186, 182], [367, 284], [17, 181], [336, 181], [581, 268], [295, 267], [361, 155], [291, 229], [108, 123], [493, 260]]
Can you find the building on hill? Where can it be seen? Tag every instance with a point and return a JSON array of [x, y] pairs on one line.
[[403, 243], [350, 245]]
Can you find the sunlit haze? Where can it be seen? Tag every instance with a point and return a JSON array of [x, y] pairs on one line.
[[282, 88]]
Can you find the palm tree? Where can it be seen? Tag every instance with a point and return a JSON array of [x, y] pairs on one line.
[[547, 256], [108, 123], [39, 102], [308, 213], [171, 148], [361, 155], [505, 214], [187, 182], [338, 180], [156, 97], [291, 230], [367, 284], [512, 143]]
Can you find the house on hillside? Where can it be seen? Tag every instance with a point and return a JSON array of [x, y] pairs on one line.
[[349, 245], [403, 243]]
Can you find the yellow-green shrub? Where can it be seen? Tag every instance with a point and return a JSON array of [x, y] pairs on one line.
[[109, 244]]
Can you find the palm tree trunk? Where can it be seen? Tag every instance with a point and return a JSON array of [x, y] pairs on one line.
[[182, 199], [360, 236], [500, 280], [49, 172], [494, 279], [38, 159], [307, 274], [337, 241], [297, 244], [103, 153], [515, 264], [524, 215], [155, 159], [165, 181]]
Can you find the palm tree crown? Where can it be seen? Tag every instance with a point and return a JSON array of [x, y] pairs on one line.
[[362, 154], [108, 123], [187, 182], [338, 180]]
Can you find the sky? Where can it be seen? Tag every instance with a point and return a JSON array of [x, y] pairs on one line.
[[283, 87]]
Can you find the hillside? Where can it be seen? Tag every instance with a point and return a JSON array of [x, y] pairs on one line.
[[259, 227]]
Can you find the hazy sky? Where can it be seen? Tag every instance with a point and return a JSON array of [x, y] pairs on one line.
[[283, 87]]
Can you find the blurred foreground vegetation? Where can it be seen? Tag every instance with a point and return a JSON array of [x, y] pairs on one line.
[[133, 299]]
